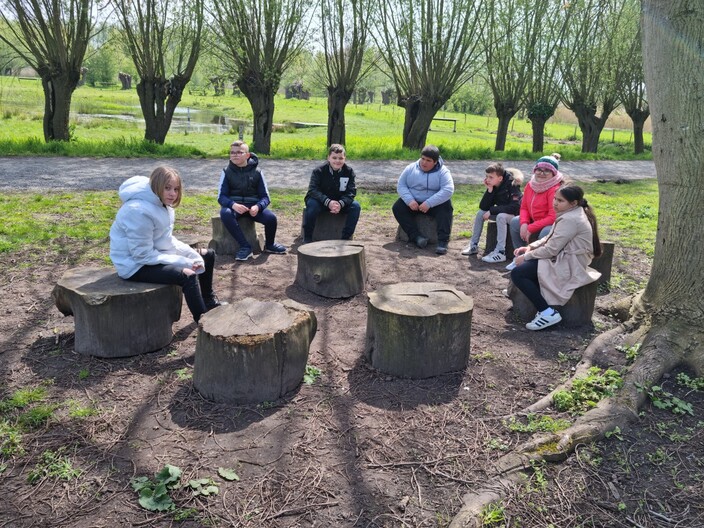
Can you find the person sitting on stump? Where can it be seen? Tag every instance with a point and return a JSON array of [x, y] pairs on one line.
[[426, 187], [243, 191], [501, 201], [332, 188], [549, 270], [142, 245]]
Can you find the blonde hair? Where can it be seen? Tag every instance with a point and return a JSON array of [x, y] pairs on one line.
[[160, 177]]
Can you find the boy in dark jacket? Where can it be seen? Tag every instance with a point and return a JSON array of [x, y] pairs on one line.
[[501, 201], [243, 191], [332, 188]]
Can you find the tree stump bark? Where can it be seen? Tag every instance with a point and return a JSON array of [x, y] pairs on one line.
[[114, 317], [604, 262], [418, 329], [252, 351], [328, 226], [332, 268], [223, 243], [427, 226], [577, 312]]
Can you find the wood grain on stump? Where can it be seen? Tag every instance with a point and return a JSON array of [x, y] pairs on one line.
[[252, 351], [224, 244], [604, 262], [115, 317], [332, 268], [577, 312], [328, 226], [418, 329]]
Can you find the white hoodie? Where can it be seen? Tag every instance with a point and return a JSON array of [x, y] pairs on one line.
[[141, 234]]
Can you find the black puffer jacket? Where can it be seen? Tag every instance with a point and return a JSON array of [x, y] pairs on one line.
[[506, 198]]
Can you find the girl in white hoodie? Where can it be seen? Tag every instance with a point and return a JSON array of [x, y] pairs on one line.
[[142, 245]]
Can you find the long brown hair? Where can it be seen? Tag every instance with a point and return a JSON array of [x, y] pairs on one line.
[[574, 193], [159, 178]]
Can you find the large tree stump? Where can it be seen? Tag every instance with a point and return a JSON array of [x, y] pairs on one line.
[[332, 268], [114, 317], [427, 226], [418, 329], [604, 262], [328, 226], [223, 243], [252, 351], [577, 312]]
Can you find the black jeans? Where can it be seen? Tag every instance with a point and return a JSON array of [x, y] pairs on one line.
[[407, 219], [525, 278], [196, 288]]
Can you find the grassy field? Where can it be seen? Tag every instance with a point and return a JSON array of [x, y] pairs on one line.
[[106, 122], [58, 223]]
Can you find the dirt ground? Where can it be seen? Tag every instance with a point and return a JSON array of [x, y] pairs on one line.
[[357, 448]]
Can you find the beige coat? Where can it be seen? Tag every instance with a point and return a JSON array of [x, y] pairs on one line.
[[565, 254]]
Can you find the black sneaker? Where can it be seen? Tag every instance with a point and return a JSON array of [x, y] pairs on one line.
[[421, 241], [211, 301], [442, 248]]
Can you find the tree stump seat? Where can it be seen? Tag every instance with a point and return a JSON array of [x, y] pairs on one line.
[[577, 312], [224, 244], [418, 329], [332, 268], [604, 262], [115, 317], [252, 351], [491, 236], [328, 226], [427, 226]]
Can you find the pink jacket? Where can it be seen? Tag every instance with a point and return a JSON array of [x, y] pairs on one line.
[[536, 208]]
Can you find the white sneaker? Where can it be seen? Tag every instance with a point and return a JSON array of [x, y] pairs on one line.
[[543, 321], [511, 266], [494, 257], [471, 249], [505, 293]]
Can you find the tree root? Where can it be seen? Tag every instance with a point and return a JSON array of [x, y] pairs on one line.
[[662, 349]]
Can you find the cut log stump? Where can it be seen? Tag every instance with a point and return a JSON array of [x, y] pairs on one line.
[[252, 351], [577, 312], [491, 235], [604, 262], [328, 226], [114, 317], [332, 268], [418, 329], [223, 243], [427, 226]]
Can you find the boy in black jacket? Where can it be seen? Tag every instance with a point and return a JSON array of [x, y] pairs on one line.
[[332, 188], [501, 201]]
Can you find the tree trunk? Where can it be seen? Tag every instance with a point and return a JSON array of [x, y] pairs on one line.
[[419, 115], [57, 105], [591, 126], [261, 99], [538, 125], [337, 101], [639, 118], [502, 130], [158, 99]]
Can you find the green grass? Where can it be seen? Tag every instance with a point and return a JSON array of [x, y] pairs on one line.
[[66, 221], [373, 130]]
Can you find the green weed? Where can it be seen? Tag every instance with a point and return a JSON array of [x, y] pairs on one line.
[[535, 423], [696, 384], [492, 514], [311, 375], [631, 352], [586, 392], [53, 464], [662, 399]]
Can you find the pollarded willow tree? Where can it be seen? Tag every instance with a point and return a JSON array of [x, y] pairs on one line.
[[631, 86], [259, 39], [344, 35], [600, 33], [510, 48], [431, 49], [666, 317], [164, 40], [52, 37], [544, 90]]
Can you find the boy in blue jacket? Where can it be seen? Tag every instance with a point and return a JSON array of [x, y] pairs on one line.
[[426, 187]]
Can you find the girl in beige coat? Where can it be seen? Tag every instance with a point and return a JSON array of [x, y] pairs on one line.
[[549, 270]]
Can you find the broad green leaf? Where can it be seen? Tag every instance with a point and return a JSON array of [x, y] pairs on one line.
[[228, 474]]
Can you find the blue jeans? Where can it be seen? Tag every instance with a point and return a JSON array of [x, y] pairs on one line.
[[515, 230], [314, 208], [265, 217]]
